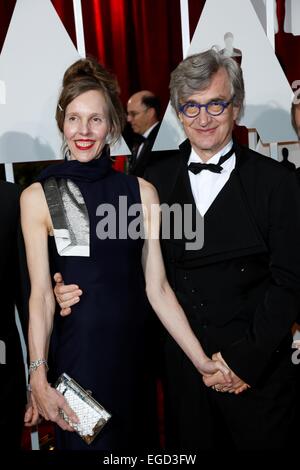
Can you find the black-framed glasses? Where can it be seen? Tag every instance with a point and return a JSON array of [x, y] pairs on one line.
[[191, 109]]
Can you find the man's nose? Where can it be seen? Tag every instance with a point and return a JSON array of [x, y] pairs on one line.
[[203, 117]]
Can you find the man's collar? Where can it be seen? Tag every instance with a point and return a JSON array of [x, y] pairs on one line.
[[194, 157], [146, 134]]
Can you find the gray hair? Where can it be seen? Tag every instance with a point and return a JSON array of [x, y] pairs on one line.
[[195, 73]]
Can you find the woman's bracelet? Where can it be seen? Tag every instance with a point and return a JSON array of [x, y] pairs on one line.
[[35, 364]]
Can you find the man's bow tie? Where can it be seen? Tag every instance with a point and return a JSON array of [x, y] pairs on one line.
[[214, 167], [139, 139]]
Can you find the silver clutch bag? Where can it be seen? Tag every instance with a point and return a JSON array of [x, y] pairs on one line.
[[91, 414]]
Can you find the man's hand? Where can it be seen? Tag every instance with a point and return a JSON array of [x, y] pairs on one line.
[[217, 383], [66, 296], [31, 417], [209, 368]]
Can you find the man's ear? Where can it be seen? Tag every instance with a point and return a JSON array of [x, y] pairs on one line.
[[236, 111], [151, 113]]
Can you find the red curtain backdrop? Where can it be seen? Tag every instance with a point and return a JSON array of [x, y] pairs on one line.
[[140, 40]]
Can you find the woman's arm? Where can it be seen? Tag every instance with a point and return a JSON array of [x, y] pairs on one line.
[[160, 294], [36, 223], [41, 302]]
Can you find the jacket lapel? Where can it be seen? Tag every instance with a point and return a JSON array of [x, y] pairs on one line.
[[142, 160]]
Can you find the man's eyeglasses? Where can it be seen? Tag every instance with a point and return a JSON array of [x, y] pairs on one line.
[[192, 109]]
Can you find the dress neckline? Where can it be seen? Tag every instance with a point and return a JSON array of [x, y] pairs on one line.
[[91, 171]]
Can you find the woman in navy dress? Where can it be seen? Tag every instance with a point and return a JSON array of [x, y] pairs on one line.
[[81, 219]]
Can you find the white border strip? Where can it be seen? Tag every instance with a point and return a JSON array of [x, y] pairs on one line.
[[185, 26], [79, 27]]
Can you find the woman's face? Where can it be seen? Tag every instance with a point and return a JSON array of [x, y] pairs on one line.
[[86, 126]]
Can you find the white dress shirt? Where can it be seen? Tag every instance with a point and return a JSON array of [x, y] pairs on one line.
[[145, 135], [206, 185]]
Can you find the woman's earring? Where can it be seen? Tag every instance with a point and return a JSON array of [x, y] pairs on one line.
[[108, 139], [67, 155]]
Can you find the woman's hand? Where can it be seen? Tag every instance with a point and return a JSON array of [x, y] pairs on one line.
[[50, 404], [216, 381], [210, 368]]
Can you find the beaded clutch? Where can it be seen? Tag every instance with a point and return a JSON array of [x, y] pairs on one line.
[[91, 414]]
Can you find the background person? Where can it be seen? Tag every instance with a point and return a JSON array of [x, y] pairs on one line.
[[143, 111], [14, 292]]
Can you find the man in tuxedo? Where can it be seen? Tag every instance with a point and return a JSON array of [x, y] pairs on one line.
[[14, 291], [241, 290], [143, 109]]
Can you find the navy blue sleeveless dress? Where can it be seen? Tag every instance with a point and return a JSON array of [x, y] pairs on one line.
[[101, 344]]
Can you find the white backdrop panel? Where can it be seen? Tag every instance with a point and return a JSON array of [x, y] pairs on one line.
[[292, 17], [293, 149], [36, 52], [260, 9]]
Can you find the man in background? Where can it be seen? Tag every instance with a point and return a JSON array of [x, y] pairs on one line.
[[143, 109], [14, 290]]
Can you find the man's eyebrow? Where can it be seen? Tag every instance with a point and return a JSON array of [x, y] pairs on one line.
[[219, 98]]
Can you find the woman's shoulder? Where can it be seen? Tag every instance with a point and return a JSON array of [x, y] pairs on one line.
[[34, 209], [32, 195], [148, 191]]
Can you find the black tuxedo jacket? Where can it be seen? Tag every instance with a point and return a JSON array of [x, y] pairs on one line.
[[139, 165], [14, 289], [241, 291]]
